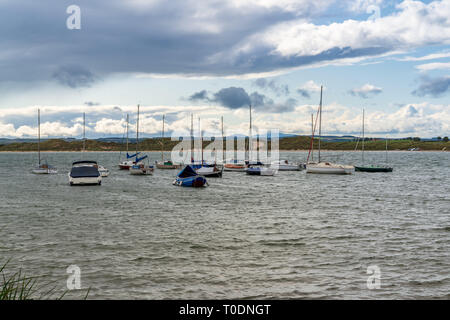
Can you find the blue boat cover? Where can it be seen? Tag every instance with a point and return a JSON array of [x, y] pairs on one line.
[[84, 172], [141, 158], [187, 172], [132, 156]]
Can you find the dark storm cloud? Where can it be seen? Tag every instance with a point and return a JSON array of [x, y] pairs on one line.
[[160, 37], [236, 97], [233, 98], [434, 87], [74, 76]]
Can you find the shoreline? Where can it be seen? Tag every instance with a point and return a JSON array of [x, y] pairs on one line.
[[153, 151]]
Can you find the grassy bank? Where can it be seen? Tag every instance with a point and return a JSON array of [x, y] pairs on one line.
[[288, 143]]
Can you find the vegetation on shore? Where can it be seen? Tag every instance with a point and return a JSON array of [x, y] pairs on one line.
[[287, 143], [15, 285]]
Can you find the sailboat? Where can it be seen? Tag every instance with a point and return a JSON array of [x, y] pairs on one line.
[[140, 168], [165, 164], [43, 167], [126, 164], [85, 172], [189, 178], [207, 170], [371, 168], [323, 167], [256, 168]]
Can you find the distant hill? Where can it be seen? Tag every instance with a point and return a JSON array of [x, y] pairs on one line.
[[154, 144]]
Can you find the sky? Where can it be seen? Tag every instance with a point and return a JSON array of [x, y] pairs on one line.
[[214, 58]]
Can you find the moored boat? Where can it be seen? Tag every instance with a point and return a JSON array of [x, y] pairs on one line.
[[85, 172], [210, 172], [139, 167], [165, 164], [323, 167], [371, 168], [187, 177], [329, 168], [284, 165], [43, 167], [235, 166]]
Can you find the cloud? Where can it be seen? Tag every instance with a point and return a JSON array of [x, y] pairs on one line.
[[237, 97], [365, 91], [433, 66], [232, 97], [203, 38], [434, 87], [427, 57], [309, 87], [413, 119], [199, 96], [90, 103], [74, 76], [272, 85]]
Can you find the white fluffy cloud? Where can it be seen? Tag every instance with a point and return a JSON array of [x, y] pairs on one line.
[[414, 24], [366, 90], [415, 119]]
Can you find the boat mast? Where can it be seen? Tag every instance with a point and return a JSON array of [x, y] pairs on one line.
[[39, 136], [223, 151], [137, 132], [363, 137], [127, 132], [84, 131], [192, 138], [386, 150], [320, 120], [312, 137], [162, 141], [250, 147], [201, 139]]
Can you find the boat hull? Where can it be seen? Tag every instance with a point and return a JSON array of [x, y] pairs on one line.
[[234, 167], [142, 171], [168, 166], [85, 181], [374, 169], [261, 171], [329, 168], [44, 171], [193, 182]]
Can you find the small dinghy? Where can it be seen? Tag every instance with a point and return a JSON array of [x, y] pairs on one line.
[[189, 178], [104, 172]]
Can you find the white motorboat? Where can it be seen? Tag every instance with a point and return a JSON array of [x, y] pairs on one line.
[[284, 165], [85, 172]]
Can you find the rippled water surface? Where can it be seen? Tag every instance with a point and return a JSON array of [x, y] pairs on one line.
[[289, 236]]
